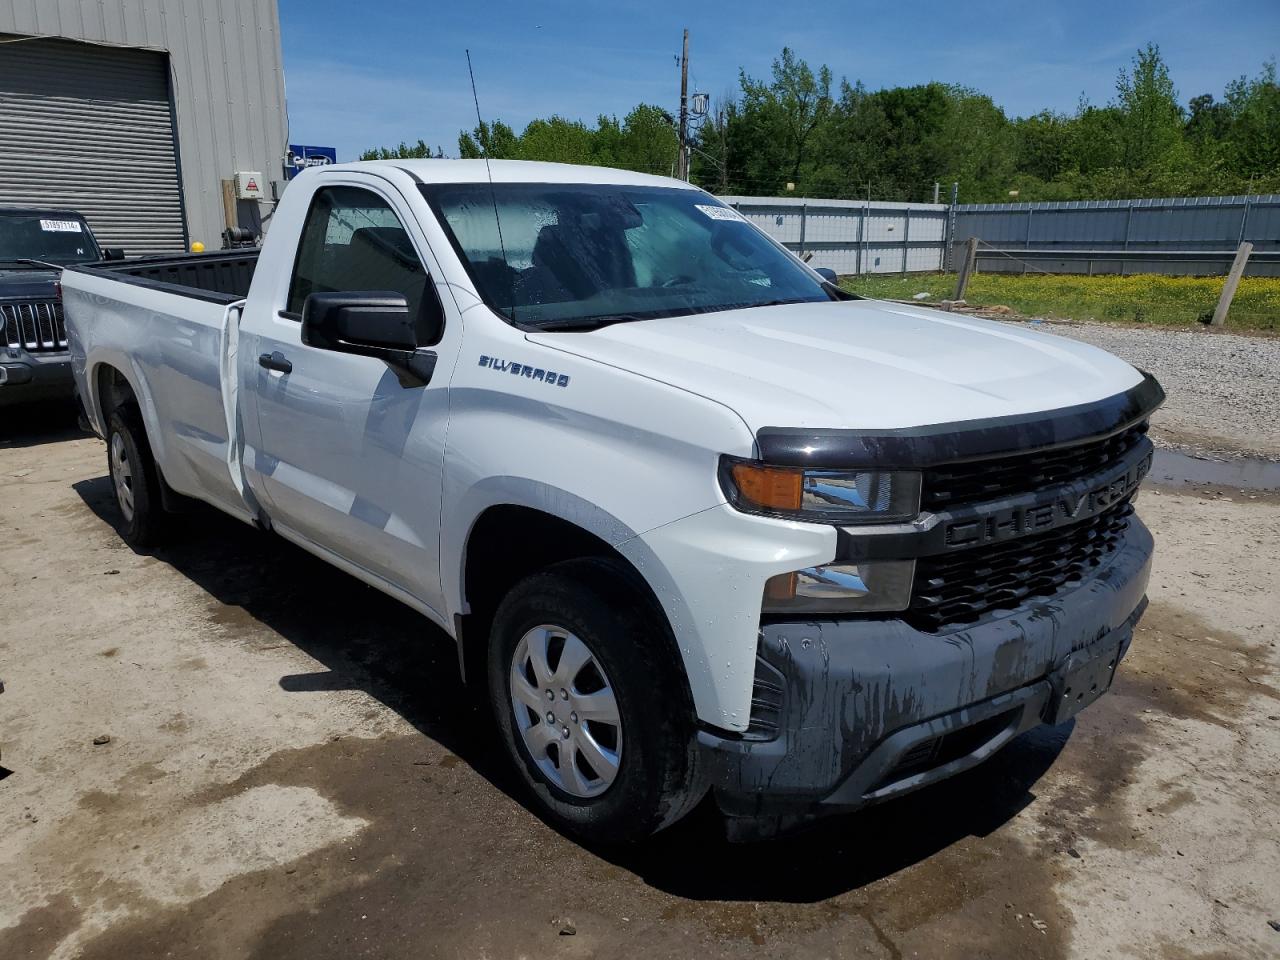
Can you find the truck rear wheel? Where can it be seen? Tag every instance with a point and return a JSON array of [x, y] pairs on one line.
[[134, 479], [595, 718]]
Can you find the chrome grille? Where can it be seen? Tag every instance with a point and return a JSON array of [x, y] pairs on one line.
[[35, 327]]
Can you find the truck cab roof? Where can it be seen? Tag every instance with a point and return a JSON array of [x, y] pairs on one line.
[[503, 171]]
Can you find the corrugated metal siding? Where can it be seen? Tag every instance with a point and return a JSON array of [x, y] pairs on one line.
[[228, 84], [853, 236], [1174, 223], [90, 128], [1168, 227]]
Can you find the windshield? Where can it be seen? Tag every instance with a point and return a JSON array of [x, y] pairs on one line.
[[50, 237], [589, 252]]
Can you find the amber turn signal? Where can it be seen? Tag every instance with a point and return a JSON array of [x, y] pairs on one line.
[[780, 589], [768, 487]]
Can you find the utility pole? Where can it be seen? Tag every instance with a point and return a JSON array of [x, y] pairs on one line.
[[682, 162]]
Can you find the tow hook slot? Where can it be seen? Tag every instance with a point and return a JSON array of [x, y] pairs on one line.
[[1084, 677]]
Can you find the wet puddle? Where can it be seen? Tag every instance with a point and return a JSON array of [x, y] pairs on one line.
[[1245, 473]]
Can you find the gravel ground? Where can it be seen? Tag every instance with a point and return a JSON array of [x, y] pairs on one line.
[[230, 750], [1223, 388]]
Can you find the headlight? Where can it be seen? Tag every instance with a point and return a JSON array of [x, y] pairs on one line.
[[877, 586], [821, 496]]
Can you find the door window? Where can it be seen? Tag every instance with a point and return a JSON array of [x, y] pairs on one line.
[[353, 240]]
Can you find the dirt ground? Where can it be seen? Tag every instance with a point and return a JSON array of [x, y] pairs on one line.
[[292, 771]]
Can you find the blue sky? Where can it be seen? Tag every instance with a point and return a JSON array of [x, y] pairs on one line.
[[389, 70]]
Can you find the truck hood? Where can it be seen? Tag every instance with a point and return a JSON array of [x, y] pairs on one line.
[[860, 364], [27, 283]]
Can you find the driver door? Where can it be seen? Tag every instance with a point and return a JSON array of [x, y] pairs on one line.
[[351, 457]]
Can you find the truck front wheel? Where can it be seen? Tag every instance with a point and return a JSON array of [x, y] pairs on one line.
[[134, 479], [593, 715]]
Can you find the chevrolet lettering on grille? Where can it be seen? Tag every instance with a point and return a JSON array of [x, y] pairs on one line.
[[1061, 507]]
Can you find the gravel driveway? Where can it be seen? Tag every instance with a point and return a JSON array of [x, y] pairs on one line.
[[1223, 388]]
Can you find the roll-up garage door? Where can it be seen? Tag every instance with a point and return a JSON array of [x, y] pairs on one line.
[[91, 128]]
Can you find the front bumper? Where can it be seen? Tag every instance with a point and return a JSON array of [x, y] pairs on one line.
[[27, 377], [867, 710]]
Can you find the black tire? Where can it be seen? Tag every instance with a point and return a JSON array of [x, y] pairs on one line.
[[659, 778], [143, 525]]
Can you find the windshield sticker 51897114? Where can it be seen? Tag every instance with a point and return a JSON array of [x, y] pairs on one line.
[[549, 377]]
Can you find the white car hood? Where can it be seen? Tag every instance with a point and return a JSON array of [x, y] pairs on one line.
[[861, 364]]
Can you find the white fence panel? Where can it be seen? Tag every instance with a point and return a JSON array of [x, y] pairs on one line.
[[853, 236], [1181, 235]]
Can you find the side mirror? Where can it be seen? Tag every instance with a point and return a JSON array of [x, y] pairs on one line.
[[827, 274], [368, 324], [112, 253]]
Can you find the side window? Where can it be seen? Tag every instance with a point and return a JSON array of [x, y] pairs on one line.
[[353, 240]]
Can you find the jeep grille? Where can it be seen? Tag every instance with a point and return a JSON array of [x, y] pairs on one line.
[[35, 327]]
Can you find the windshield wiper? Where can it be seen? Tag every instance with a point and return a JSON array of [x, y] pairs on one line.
[[595, 323], [587, 323], [780, 303], [33, 262]]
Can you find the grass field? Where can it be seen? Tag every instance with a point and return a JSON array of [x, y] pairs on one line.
[[1142, 298]]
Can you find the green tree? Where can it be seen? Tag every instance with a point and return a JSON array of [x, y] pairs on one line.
[[851, 148], [976, 145], [1208, 121], [648, 141], [1042, 145], [1252, 141], [895, 143], [496, 141], [1095, 139], [419, 151], [1150, 117], [792, 106], [557, 140]]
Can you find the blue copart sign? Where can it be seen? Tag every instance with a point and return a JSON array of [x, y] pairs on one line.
[[302, 156]]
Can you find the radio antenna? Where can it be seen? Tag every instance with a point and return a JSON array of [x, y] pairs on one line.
[[493, 195]]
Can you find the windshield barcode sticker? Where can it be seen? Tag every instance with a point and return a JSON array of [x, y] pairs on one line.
[[718, 213], [60, 226]]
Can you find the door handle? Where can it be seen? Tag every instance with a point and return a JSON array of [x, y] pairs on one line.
[[275, 361]]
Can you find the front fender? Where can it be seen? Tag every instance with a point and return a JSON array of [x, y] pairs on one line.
[[456, 531], [707, 571], [633, 461]]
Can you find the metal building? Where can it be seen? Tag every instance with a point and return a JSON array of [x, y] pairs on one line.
[[135, 111]]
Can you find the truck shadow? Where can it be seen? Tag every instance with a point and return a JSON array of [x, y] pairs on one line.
[[35, 424], [369, 642], [843, 853]]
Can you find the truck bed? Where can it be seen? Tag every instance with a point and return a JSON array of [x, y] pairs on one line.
[[174, 320], [221, 277]]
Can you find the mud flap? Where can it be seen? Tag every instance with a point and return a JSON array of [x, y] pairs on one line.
[[1084, 676]]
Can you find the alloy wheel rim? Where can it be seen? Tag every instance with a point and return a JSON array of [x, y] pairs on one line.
[[122, 475], [566, 711]]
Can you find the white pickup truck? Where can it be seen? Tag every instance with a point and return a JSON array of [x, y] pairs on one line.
[[698, 518]]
